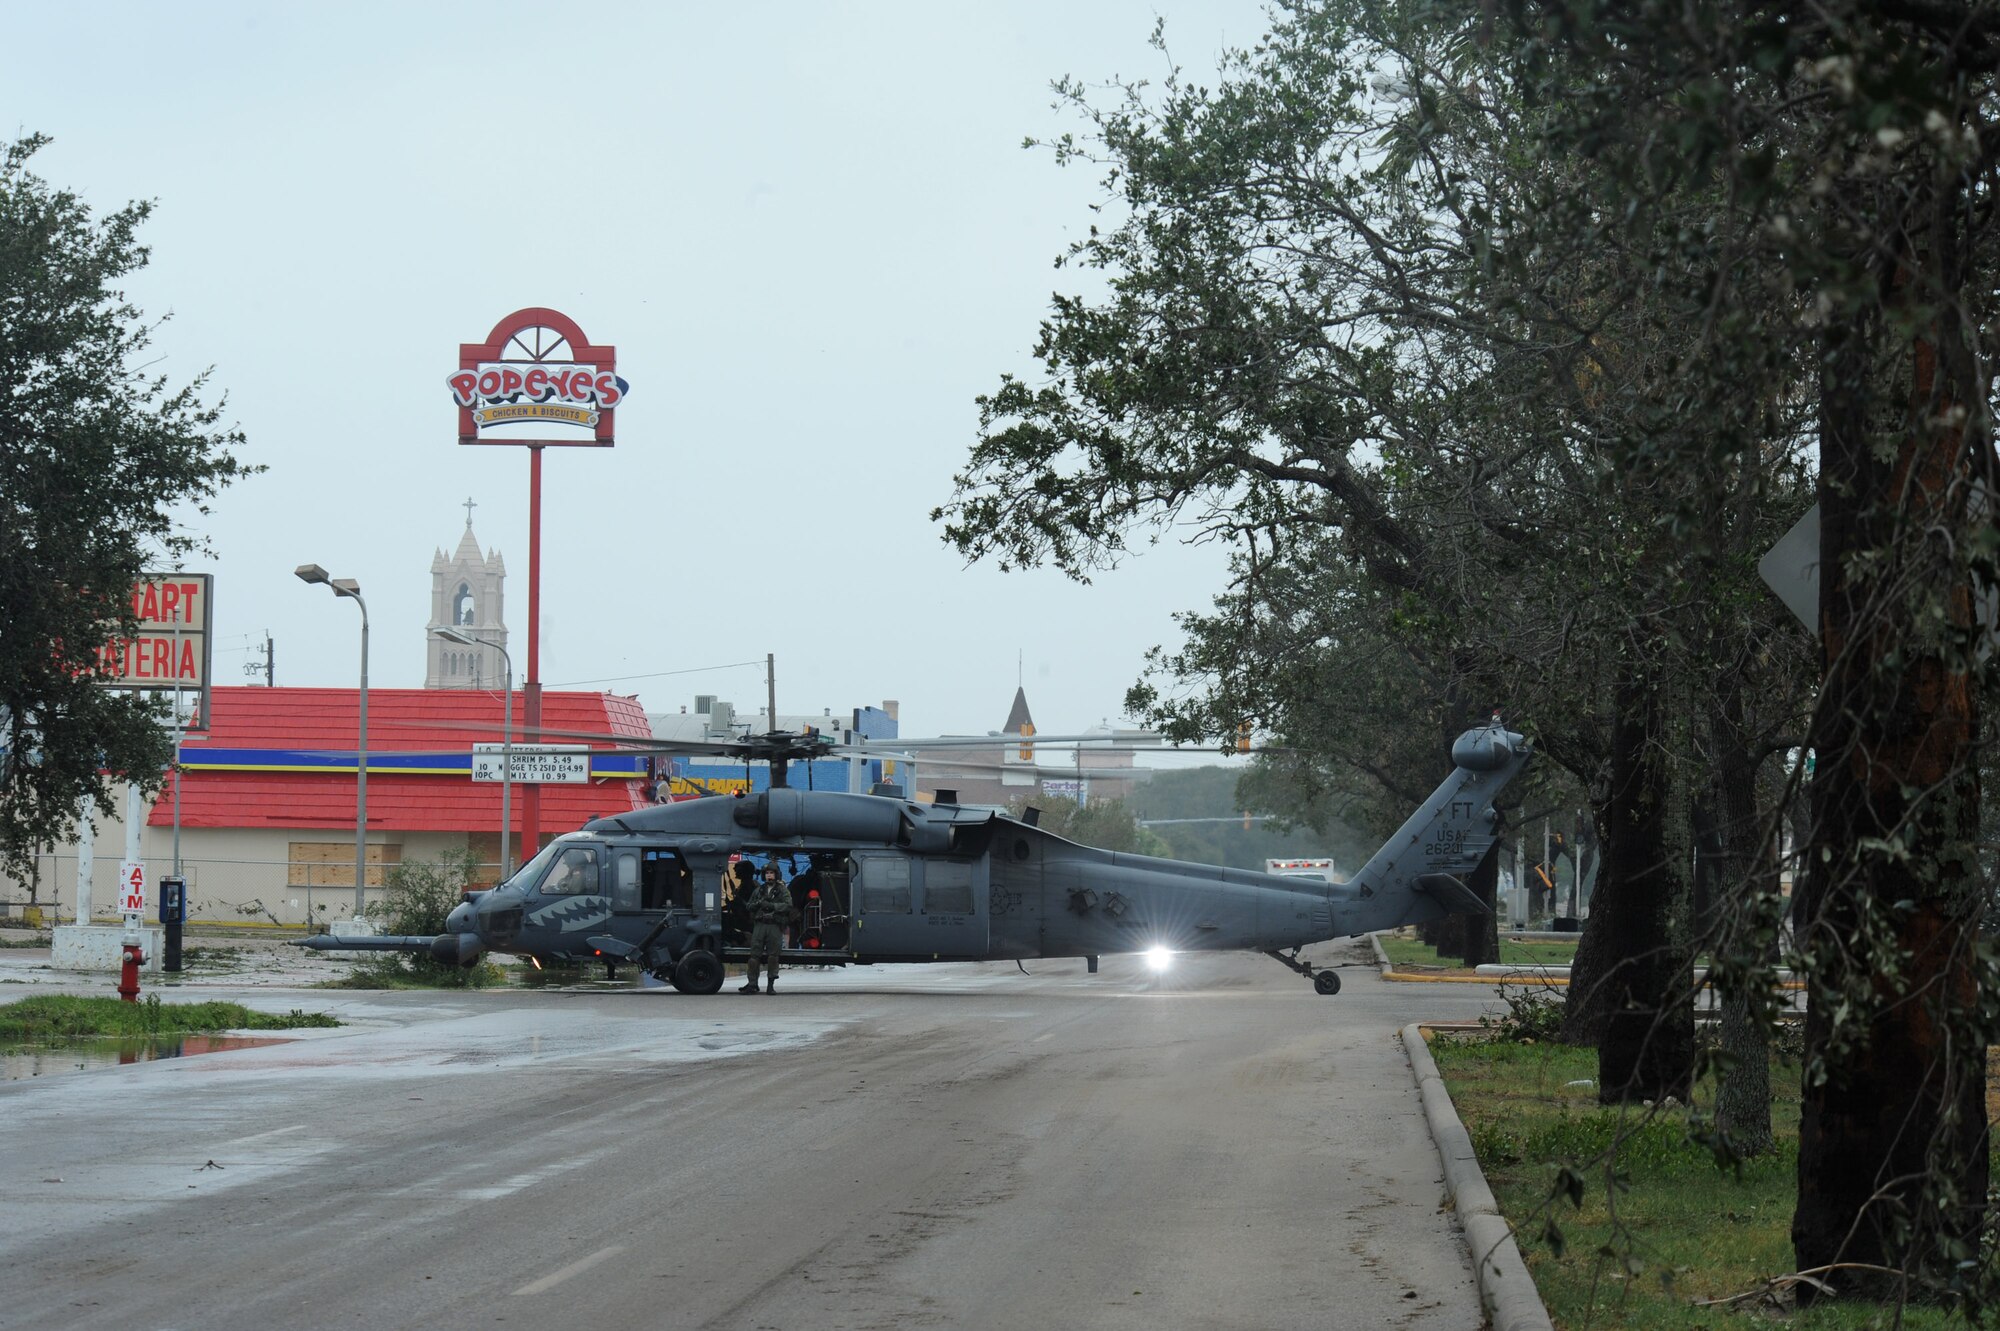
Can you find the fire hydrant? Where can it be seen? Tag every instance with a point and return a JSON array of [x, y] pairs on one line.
[[128, 974]]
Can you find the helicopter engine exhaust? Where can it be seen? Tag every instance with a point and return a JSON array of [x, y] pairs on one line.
[[461, 950]]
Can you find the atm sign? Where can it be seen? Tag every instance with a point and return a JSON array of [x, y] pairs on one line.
[[132, 887]]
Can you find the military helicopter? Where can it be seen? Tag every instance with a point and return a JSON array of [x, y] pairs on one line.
[[878, 878]]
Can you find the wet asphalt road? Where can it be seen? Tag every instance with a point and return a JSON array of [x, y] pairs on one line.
[[953, 1146]]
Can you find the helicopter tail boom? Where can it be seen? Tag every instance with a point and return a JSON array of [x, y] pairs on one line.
[[1418, 874], [366, 943]]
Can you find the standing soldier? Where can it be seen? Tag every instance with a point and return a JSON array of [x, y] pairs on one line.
[[770, 906]]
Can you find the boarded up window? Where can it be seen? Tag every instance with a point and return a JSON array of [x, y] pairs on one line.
[[331, 863], [947, 888], [885, 886], [485, 848]]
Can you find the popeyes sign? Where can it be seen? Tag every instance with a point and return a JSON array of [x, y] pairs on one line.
[[536, 373]]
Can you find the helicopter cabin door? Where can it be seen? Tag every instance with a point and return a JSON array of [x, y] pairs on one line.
[[918, 909]]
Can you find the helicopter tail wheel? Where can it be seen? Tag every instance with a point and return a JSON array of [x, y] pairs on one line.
[[699, 972], [1327, 982]]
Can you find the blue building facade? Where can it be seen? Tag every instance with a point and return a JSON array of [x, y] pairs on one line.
[[686, 777]]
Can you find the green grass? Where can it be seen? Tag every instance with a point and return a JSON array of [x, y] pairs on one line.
[[57, 1020], [1535, 952], [1674, 1227], [32, 940]]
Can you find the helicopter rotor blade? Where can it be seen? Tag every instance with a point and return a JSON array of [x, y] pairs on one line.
[[621, 743], [948, 752]]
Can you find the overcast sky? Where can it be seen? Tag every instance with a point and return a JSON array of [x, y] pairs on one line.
[[810, 230]]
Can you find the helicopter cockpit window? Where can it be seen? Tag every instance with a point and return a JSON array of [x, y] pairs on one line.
[[533, 869], [625, 880], [574, 873]]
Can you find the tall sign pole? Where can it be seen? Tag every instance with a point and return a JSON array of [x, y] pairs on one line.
[[536, 382], [531, 688], [168, 653]]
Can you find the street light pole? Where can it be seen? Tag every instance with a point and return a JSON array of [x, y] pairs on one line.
[[464, 639], [350, 588]]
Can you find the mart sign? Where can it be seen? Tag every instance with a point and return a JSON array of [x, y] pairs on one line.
[[171, 649]]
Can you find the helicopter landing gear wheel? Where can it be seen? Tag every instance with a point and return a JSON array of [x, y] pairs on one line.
[[699, 972], [1326, 982]]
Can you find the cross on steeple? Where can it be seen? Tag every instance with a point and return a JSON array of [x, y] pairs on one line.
[[469, 506]]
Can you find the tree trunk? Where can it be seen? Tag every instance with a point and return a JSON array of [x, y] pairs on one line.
[[1587, 1004], [1744, 946], [1449, 936], [1706, 893], [1647, 1048], [1893, 1160]]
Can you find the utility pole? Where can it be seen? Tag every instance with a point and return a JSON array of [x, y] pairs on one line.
[[269, 668], [1521, 889], [1547, 867]]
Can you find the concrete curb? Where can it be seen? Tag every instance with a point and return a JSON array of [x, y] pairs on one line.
[[1507, 1292], [1381, 957]]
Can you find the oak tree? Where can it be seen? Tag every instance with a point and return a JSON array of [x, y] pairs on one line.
[[99, 462]]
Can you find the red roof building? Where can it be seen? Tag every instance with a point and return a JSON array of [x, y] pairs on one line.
[[285, 758], [267, 797]]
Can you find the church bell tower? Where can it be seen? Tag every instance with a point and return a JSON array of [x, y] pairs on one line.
[[466, 594]]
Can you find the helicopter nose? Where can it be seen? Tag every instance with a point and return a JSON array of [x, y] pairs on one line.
[[460, 919]]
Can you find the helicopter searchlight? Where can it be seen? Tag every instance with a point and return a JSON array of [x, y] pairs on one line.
[[880, 879]]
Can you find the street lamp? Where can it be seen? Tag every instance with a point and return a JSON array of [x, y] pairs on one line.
[[349, 587], [464, 639]]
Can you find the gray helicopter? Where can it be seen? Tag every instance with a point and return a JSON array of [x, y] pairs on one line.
[[884, 879]]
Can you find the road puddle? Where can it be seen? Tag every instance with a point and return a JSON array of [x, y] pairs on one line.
[[19, 1064]]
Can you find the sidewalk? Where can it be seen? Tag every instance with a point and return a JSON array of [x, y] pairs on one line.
[[229, 958]]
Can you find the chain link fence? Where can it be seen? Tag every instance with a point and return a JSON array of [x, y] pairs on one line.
[[285, 893]]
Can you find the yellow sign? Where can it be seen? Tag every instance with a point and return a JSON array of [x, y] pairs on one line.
[[535, 411], [715, 785]]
